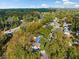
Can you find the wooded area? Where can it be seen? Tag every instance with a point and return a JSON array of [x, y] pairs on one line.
[[24, 33]]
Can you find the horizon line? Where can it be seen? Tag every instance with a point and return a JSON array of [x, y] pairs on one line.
[[40, 8]]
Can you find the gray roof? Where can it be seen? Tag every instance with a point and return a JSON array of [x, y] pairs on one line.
[[10, 19]]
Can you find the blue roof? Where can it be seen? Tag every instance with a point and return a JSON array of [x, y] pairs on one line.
[[38, 39]]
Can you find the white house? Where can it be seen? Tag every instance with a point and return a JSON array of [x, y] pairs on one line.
[[66, 30]]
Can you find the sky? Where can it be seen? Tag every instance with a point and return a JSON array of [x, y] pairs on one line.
[[39, 4]]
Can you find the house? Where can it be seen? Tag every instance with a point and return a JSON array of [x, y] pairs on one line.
[[77, 33], [55, 23], [21, 20], [36, 44], [65, 24], [75, 42], [66, 30], [38, 39], [10, 19]]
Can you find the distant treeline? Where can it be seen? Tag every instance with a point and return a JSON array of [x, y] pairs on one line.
[[20, 11], [23, 11]]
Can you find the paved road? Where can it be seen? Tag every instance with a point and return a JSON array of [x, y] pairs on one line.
[[43, 55], [12, 30]]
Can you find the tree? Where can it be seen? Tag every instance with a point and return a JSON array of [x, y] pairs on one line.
[[75, 22]]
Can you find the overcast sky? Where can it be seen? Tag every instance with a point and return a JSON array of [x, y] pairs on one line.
[[39, 4]]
